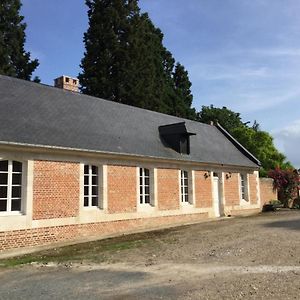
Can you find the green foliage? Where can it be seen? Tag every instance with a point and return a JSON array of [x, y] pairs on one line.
[[14, 60], [224, 116], [125, 60], [258, 142], [286, 182]]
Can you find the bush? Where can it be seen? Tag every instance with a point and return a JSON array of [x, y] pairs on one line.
[[286, 182]]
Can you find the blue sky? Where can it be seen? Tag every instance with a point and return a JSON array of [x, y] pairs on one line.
[[243, 54]]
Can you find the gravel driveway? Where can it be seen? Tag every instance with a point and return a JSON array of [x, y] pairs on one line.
[[238, 258]]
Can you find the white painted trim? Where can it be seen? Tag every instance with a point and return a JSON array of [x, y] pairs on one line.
[[23, 220], [30, 153]]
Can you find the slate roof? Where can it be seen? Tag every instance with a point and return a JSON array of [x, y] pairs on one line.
[[40, 115]]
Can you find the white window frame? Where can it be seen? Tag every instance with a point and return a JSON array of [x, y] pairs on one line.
[[184, 188], [90, 186], [10, 185], [243, 183], [143, 186]]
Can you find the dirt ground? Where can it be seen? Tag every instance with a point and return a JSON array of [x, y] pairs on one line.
[[235, 258]]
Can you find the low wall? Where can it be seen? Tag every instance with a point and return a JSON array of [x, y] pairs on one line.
[[22, 241], [267, 192]]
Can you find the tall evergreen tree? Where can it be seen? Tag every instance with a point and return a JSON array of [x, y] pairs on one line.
[[14, 60], [106, 47], [125, 60], [183, 92]]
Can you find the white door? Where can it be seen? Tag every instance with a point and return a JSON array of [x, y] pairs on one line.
[[216, 195]]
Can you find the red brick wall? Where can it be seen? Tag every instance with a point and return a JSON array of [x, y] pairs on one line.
[[55, 190], [121, 189], [253, 188], [266, 191], [168, 189], [203, 190], [49, 235], [231, 190]]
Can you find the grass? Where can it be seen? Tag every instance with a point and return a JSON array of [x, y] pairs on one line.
[[97, 251]]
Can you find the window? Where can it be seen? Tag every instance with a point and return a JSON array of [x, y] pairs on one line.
[[91, 186], [144, 186], [184, 187], [243, 184], [74, 81], [67, 79], [10, 186]]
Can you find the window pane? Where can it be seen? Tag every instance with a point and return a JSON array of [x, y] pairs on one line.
[[3, 178], [186, 182], [186, 198], [3, 204], [86, 201], [141, 199], [186, 190], [16, 205], [147, 172], [147, 199], [95, 170], [95, 201], [16, 192], [17, 179], [17, 166], [3, 191], [141, 171], [147, 190], [86, 169], [94, 190], [86, 191], [141, 190], [3, 165], [147, 181], [86, 180], [141, 180], [95, 180]]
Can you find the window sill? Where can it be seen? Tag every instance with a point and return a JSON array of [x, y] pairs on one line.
[[186, 205], [145, 208], [244, 202], [11, 214]]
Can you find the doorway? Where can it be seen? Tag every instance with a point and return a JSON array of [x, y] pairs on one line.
[[217, 194]]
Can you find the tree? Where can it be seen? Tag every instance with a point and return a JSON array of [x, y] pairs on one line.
[[258, 142], [226, 117], [183, 92], [14, 60], [125, 60]]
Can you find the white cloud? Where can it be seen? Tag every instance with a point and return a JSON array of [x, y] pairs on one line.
[[288, 140]]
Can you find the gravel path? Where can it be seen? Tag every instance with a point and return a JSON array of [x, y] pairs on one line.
[[240, 258]]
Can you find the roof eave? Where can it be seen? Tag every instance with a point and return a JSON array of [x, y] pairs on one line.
[[239, 146]]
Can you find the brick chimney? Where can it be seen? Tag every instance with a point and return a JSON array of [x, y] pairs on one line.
[[67, 83]]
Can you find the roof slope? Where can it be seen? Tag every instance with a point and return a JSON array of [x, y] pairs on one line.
[[37, 114]]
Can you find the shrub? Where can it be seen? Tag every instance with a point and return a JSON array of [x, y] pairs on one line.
[[286, 182]]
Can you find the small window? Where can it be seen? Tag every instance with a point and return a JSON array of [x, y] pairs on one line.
[[243, 184], [74, 81], [184, 186], [144, 186], [67, 79], [10, 186], [91, 186]]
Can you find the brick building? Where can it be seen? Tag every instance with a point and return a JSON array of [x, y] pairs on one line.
[[75, 167]]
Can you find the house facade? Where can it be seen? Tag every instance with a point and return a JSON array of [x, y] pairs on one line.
[[75, 168]]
